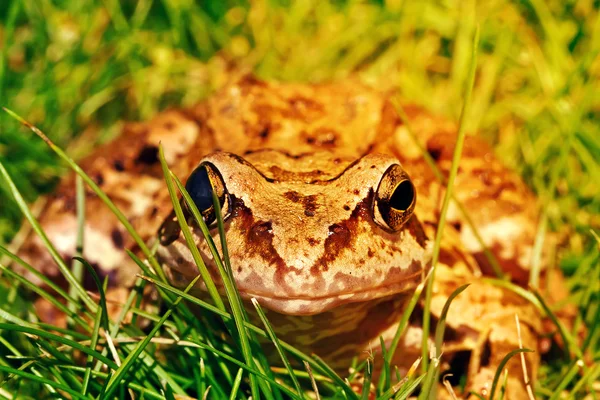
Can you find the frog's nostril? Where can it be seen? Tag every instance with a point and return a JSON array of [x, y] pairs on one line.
[[339, 235], [260, 233]]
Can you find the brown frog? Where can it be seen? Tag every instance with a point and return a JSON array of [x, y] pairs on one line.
[[318, 186]]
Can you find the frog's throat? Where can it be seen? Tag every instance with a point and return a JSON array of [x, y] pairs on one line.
[[341, 333]]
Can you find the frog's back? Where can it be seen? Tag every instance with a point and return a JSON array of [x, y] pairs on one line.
[[345, 118]]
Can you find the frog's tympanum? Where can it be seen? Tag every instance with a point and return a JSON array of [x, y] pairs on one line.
[[330, 212]]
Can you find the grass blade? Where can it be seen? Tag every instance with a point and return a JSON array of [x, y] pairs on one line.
[[335, 377], [93, 343], [366, 389], [43, 278], [230, 290], [447, 196], [120, 373], [402, 324], [428, 391], [210, 285], [313, 382], [92, 272], [76, 267], [500, 368], [429, 386], [236, 384], [227, 316], [441, 326], [60, 339], [48, 382], [275, 341], [105, 199], [408, 388], [46, 296], [568, 342], [571, 373], [38, 230]]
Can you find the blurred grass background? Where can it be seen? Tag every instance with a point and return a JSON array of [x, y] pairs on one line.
[[77, 69]]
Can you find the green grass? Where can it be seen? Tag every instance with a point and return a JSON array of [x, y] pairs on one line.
[[76, 69]]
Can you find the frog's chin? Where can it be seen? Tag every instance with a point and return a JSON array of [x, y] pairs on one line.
[[316, 305]]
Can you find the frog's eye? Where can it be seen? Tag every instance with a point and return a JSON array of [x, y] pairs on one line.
[[201, 184], [395, 199]]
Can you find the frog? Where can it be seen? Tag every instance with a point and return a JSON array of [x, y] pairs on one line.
[[329, 209]]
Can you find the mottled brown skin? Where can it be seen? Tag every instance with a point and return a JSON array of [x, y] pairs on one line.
[[302, 166]]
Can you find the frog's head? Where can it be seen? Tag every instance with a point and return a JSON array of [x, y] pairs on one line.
[[308, 232]]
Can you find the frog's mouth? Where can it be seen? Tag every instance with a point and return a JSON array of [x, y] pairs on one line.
[[311, 305], [294, 296]]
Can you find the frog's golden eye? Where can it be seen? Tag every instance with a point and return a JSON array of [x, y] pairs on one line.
[[395, 199], [201, 184]]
